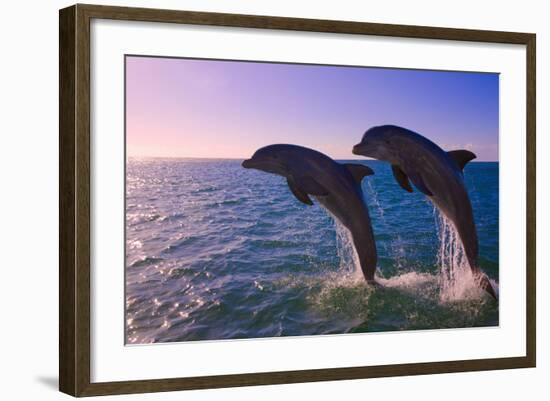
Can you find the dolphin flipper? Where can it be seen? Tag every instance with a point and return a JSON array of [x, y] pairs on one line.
[[299, 194], [310, 186], [401, 178], [419, 183], [461, 157], [358, 171]]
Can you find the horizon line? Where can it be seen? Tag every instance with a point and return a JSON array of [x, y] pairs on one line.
[[244, 158]]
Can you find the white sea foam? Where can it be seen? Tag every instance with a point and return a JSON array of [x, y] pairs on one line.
[[410, 280], [455, 276], [349, 260]]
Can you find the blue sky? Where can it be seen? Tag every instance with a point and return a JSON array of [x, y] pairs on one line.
[[207, 108]]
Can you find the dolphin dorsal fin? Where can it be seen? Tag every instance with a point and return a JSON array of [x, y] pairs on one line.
[[358, 171], [461, 157], [298, 193], [401, 178]]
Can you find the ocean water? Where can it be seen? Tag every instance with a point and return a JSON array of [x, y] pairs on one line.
[[215, 251]]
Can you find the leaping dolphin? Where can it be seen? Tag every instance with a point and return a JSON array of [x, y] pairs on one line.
[[336, 186], [435, 173]]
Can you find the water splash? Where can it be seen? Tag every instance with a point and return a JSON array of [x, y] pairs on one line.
[[456, 280], [373, 196], [349, 261], [349, 268], [396, 246], [411, 282]]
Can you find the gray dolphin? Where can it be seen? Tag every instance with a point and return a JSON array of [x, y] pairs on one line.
[[336, 186], [436, 173]]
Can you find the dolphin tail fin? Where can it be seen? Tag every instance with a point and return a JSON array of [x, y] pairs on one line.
[[461, 157], [358, 171], [485, 284]]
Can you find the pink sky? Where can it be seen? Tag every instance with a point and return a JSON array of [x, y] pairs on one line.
[[222, 109]]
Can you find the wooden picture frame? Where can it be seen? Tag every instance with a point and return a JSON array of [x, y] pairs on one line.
[[74, 199]]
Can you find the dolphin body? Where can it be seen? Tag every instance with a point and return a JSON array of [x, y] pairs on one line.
[[435, 173], [336, 186]]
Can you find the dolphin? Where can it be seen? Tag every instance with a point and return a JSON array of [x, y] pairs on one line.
[[435, 173], [336, 186]]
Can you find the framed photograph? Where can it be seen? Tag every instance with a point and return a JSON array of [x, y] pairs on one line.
[[250, 200]]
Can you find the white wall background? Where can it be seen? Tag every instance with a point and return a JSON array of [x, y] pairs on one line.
[[28, 199]]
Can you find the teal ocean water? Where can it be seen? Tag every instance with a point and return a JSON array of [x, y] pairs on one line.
[[215, 251]]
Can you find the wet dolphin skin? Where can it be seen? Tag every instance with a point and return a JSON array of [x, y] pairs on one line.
[[336, 186], [435, 173]]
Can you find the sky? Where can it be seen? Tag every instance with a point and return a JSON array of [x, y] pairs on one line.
[[228, 109]]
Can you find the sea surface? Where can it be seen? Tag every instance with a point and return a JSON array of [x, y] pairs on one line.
[[215, 251]]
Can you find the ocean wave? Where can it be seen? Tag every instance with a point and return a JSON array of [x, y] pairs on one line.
[[146, 261], [261, 264]]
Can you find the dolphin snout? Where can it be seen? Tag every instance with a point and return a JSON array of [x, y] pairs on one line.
[[357, 149], [247, 163]]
